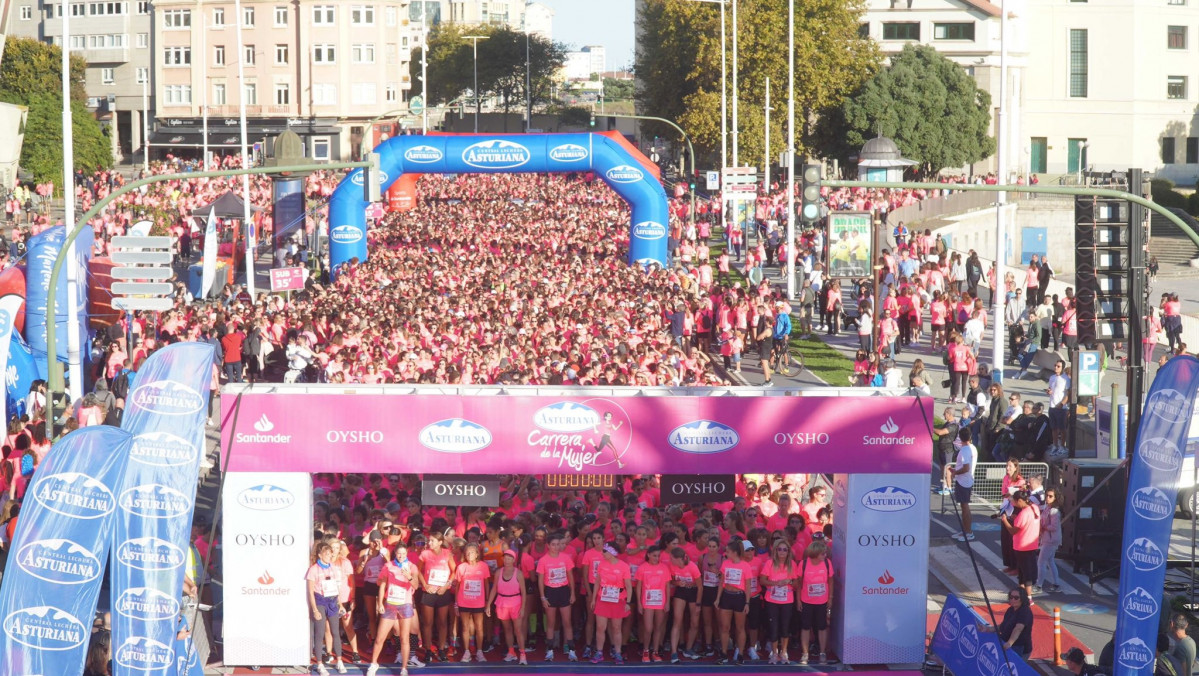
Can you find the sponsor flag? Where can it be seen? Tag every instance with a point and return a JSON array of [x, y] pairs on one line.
[[966, 651], [208, 272], [187, 658], [165, 416], [20, 372], [44, 248], [1152, 492], [9, 305], [56, 560]]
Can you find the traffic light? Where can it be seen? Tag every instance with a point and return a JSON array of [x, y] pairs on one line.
[[593, 119], [694, 179], [810, 204], [371, 178], [1103, 265]]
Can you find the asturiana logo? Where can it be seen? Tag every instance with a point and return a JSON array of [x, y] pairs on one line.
[[649, 230], [359, 176], [163, 449], [969, 641], [989, 660], [144, 654], [144, 603], [346, 234], [1134, 654], [455, 435], [168, 397], [74, 494], [266, 498], [1144, 555], [1140, 604], [496, 154], [567, 417], [150, 553], [704, 436], [624, 174], [888, 499], [155, 501], [1168, 405], [45, 628], [59, 561], [568, 152], [1160, 454], [423, 154], [951, 624], [1152, 503]]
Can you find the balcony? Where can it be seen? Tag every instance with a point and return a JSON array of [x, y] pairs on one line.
[[105, 54]]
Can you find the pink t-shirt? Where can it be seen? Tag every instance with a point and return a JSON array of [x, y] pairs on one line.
[[779, 593], [1028, 529], [654, 579], [817, 576], [471, 579], [554, 570]]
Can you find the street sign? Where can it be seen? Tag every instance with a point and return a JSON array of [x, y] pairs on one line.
[[713, 180], [142, 257], [740, 181], [142, 273], [142, 288], [128, 242], [416, 105], [287, 279], [151, 260], [1087, 372], [150, 304]]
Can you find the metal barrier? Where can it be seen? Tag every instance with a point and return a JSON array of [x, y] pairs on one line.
[[988, 481]]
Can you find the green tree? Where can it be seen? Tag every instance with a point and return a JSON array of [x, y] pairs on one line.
[[31, 77], [618, 90], [678, 65], [930, 107]]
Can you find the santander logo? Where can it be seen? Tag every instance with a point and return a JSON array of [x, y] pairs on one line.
[[264, 424], [266, 579], [889, 427], [886, 578]]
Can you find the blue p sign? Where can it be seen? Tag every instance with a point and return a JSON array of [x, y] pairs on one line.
[[1088, 374]]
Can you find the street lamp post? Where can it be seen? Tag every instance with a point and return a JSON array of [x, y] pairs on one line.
[[790, 149], [424, 70], [766, 164], [74, 363], [724, 115], [999, 291], [478, 100]]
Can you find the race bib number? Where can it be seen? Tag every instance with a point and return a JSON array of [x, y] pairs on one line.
[[816, 590], [732, 576], [609, 594], [372, 571], [472, 589], [684, 579], [398, 596], [556, 577], [753, 585], [439, 577], [329, 587], [779, 593], [710, 578], [594, 568], [653, 597]]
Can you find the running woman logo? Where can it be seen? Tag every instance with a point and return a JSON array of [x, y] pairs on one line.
[[163, 449], [624, 174], [989, 659], [346, 234], [888, 499], [266, 498], [144, 654], [1144, 555], [1139, 604], [155, 501], [1134, 654], [1169, 405], [75, 495], [423, 154], [649, 230], [150, 554], [1161, 454], [569, 152], [1152, 503], [704, 437], [455, 435], [168, 397], [951, 624], [576, 434], [496, 154], [45, 628], [59, 562], [970, 641], [144, 603]]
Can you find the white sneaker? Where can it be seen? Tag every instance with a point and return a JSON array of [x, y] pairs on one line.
[[479, 656], [320, 669], [466, 656], [341, 667], [414, 662], [752, 653], [549, 656], [373, 669], [570, 655], [403, 672]]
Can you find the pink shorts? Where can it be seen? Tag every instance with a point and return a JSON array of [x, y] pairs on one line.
[[614, 611], [507, 611]]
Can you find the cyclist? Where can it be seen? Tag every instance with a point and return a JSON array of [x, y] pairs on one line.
[[782, 339]]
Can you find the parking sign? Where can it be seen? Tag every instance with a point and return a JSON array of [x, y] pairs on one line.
[[1087, 371]]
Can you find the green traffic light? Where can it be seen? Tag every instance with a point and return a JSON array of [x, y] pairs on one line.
[[811, 212]]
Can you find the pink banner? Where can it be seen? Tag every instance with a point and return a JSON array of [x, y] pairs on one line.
[[501, 434], [287, 279]]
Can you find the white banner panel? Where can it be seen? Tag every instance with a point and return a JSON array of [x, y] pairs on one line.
[[881, 550], [267, 542]]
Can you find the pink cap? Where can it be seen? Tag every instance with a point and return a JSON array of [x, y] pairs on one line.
[[510, 552]]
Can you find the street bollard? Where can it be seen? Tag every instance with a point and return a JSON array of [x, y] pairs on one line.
[[1057, 637]]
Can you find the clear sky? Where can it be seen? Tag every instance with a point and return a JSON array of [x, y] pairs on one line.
[[596, 22]]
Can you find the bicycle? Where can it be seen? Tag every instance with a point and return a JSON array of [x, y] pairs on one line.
[[783, 358]]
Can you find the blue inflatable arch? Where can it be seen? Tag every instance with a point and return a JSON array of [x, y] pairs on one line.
[[508, 154]]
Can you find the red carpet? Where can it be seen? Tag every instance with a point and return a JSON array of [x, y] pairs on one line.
[[680, 670], [1042, 630]]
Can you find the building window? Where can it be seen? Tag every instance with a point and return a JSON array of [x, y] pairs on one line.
[[901, 31], [250, 91], [143, 75], [1176, 37], [953, 31], [1193, 150], [282, 94], [362, 15], [143, 40], [218, 17], [324, 54], [280, 16], [1078, 62], [1176, 2], [364, 53], [177, 56], [143, 7], [247, 17], [1176, 87], [106, 8], [390, 93], [177, 18], [108, 76], [324, 95], [1168, 150], [322, 15], [320, 149], [178, 94], [218, 55], [390, 16], [219, 97], [393, 54], [280, 55], [362, 93], [78, 41], [27, 13], [248, 55], [79, 10]]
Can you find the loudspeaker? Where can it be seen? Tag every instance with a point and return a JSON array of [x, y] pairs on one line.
[[1092, 535]]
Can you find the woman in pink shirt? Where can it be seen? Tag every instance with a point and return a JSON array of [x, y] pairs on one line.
[[471, 578], [437, 567], [589, 562], [508, 594], [778, 578], [1025, 528], [653, 580], [732, 599], [815, 597], [610, 602], [685, 585], [555, 578], [325, 585]]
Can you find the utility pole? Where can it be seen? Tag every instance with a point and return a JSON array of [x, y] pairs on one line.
[[1000, 292], [478, 100], [766, 164], [791, 149]]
